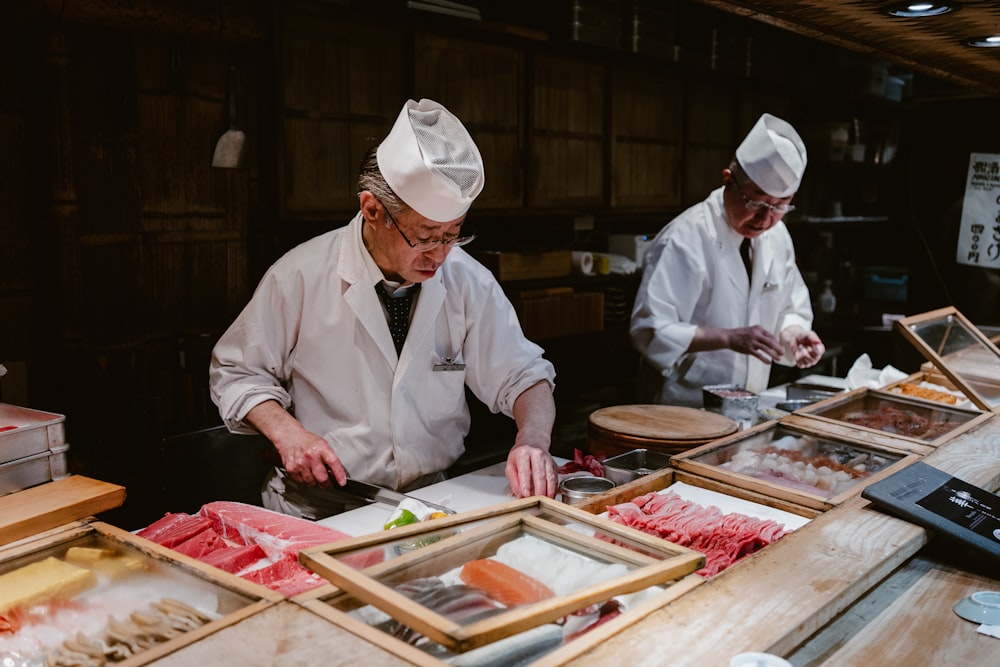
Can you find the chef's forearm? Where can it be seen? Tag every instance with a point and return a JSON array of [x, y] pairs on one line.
[[274, 422], [707, 339], [535, 413]]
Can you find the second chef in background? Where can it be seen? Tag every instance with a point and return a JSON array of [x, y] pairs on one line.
[[317, 363], [721, 297]]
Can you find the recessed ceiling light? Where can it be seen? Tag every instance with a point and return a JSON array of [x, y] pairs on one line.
[[992, 40], [911, 10]]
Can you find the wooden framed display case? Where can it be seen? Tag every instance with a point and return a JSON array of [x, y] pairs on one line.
[[957, 348], [890, 420], [794, 461], [663, 479], [526, 564], [931, 386], [95, 591]]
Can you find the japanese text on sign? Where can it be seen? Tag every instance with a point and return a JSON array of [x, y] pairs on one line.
[[979, 233]]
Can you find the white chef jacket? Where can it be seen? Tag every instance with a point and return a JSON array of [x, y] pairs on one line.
[[314, 338], [693, 276]]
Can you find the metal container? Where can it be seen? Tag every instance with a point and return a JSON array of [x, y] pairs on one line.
[[27, 472], [794, 404], [575, 489], [731, 400], [33, 432], [632, 465], [812, 392]]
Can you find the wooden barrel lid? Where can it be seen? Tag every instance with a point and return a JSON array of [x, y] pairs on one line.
[[663, 423]]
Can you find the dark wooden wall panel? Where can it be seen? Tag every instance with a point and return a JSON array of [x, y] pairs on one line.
[[647, 131], [338, 96], [566, 166]]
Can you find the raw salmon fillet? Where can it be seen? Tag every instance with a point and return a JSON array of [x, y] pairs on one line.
[[503, 583]]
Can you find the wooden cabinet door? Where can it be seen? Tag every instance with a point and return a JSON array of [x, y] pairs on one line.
[[566, 142], [483, 85], [339, 95], [647, 131], [711, 110]]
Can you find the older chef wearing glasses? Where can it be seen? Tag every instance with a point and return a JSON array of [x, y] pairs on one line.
[[354, 353], [721, 298]]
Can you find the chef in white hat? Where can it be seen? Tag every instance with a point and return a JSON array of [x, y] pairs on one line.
[[355, 352], [721, 297]]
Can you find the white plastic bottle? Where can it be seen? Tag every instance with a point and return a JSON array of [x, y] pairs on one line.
[[827, 299]]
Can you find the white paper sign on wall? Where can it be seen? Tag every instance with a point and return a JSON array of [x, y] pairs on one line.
[[979, 234]]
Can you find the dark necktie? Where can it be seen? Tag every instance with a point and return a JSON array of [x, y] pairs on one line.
[[745, 254], [399, 312]]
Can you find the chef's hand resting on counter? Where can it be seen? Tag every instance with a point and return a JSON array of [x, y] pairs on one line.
[[804, 346], [530, 469], [307, 457]]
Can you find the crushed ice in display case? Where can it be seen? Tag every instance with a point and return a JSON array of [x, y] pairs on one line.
[[960, 350], [793, 463], [462, 582], [87, 596], [900, 417]]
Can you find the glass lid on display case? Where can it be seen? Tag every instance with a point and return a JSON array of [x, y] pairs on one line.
[[467, 581], [901, 419], [793, 462], [960, 350], [94, 595]]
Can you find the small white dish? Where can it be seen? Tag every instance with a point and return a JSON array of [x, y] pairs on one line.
[[755, 659], [980, 607]]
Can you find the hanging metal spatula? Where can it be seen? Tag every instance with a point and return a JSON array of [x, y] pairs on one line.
[[230, 149]]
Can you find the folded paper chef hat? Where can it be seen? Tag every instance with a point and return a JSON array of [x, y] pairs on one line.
[[431, 162], [773, 156]]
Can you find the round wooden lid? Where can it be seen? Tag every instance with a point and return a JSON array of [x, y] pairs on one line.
[[661, 422]]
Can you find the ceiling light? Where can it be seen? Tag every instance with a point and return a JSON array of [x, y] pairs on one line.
[[992, 40], [912, 10]]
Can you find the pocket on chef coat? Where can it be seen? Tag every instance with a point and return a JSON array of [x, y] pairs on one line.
[[442, 391]]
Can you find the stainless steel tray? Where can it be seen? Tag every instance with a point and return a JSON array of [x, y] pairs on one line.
[[34, 432], [31, 471]]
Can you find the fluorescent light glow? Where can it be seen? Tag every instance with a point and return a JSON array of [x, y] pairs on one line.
[[913, 10], [986, 42]]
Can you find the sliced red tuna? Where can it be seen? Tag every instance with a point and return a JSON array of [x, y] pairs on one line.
[[279, 535], [234, 559], [175, 528]]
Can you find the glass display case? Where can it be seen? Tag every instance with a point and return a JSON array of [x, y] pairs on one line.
[[910, 423], [933, 387], [97, 592], [466, 581], [794, 462], [960, 350]]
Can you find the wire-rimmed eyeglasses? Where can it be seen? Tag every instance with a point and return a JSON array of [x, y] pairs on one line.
[[757, 205], [424, 246]]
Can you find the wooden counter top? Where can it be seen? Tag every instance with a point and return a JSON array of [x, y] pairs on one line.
[[778, 598]]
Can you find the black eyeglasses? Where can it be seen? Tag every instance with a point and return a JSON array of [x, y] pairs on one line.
[[757, 205], [424, 246]]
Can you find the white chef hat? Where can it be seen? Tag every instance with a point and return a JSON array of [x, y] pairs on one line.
[[773, 156], [431, 162]]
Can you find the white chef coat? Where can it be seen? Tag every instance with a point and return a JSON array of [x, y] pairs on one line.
[[314, 338], [693, 276]]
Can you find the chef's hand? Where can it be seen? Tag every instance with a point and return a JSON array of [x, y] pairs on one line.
[[805, 346], [310, 460], [307, 457], [531, 471], [755, 340]]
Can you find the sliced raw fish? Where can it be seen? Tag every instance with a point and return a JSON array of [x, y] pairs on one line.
[[504, 583]]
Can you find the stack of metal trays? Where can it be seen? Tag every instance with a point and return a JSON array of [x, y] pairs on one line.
[[32, 447]]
